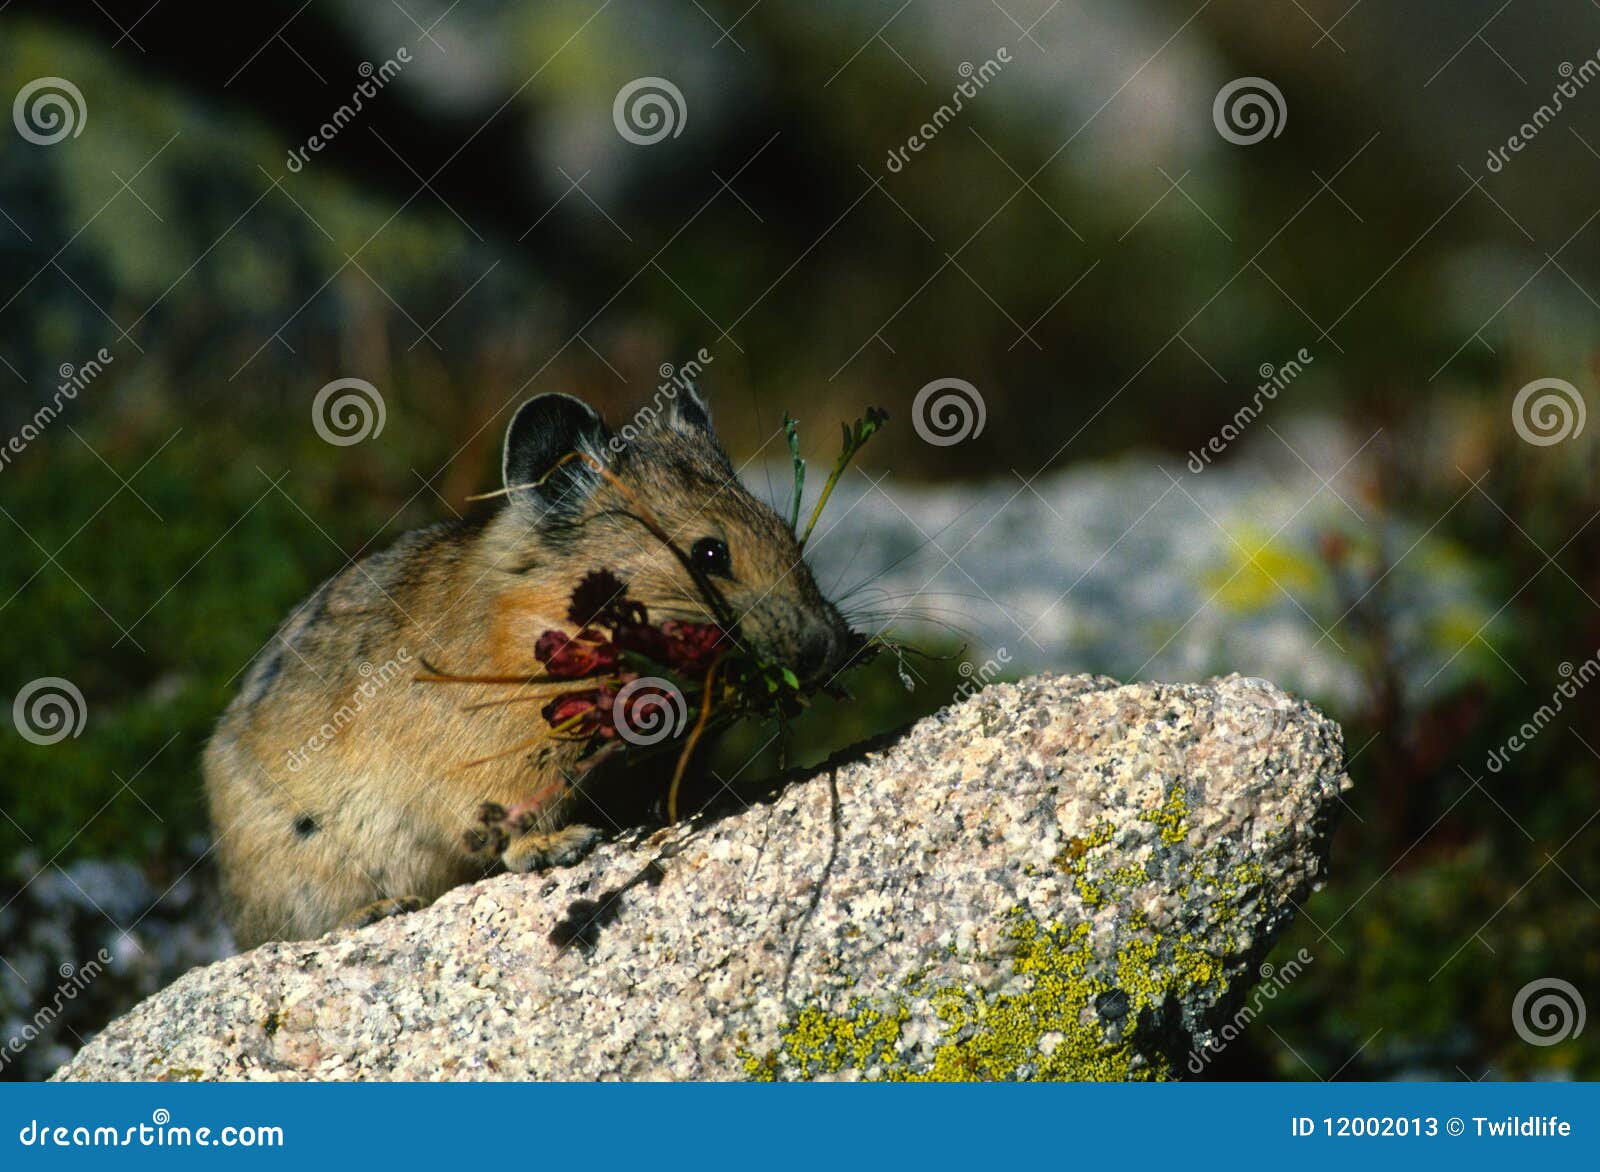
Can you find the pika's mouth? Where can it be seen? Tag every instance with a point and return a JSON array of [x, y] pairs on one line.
[[854, 649], [825, 651]]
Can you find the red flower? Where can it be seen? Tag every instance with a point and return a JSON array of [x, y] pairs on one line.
[[592, 712], [692, 646], [642, 639], [566, 657], [575, 714], [601, 598], [687, 648], [654, 710]]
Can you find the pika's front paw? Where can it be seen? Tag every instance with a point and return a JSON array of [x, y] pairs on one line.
[[381, 909], [497, 827], [488, 836], [538, 849]]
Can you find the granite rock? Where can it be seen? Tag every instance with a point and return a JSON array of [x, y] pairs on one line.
[[1065, 877]]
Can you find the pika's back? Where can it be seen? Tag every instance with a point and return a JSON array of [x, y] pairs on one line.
[[365, 608]]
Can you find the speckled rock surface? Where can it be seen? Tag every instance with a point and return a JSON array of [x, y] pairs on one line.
[[1062, 878]]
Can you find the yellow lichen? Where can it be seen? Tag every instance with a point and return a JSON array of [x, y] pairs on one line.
[[1073, 850], [1058, 1004], [1257, 569], [1172, 816], [992, 1036]]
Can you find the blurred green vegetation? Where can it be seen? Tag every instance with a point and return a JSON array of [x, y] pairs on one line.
[[157, 590], [157, 532], [1454, 884]]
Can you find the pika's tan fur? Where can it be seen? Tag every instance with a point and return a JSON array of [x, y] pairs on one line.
[[338, 784]]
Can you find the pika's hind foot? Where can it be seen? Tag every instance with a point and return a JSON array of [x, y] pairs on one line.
[[381, 909], [538, 849]]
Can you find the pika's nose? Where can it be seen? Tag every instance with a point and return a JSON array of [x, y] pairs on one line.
[[817, 649]]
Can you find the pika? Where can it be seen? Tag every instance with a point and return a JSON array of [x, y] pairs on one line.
[[338, 785]]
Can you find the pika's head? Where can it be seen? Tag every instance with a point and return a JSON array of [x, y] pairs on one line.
[[736, 562]]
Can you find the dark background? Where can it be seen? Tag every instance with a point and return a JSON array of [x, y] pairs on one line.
[[1080, 243]]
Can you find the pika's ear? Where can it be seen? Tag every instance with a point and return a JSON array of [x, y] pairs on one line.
[[543, 430], [690, 411]]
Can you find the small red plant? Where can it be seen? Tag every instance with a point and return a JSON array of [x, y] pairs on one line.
[[615, 636]]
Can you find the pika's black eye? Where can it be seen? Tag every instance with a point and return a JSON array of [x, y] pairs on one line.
[[710, 554]]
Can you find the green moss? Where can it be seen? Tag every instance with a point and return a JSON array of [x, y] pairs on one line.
[[762, 1069], [1126, 876], [1051, 1025]]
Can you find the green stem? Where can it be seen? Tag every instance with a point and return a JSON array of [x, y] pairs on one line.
[[791, 428], [827, 491]]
